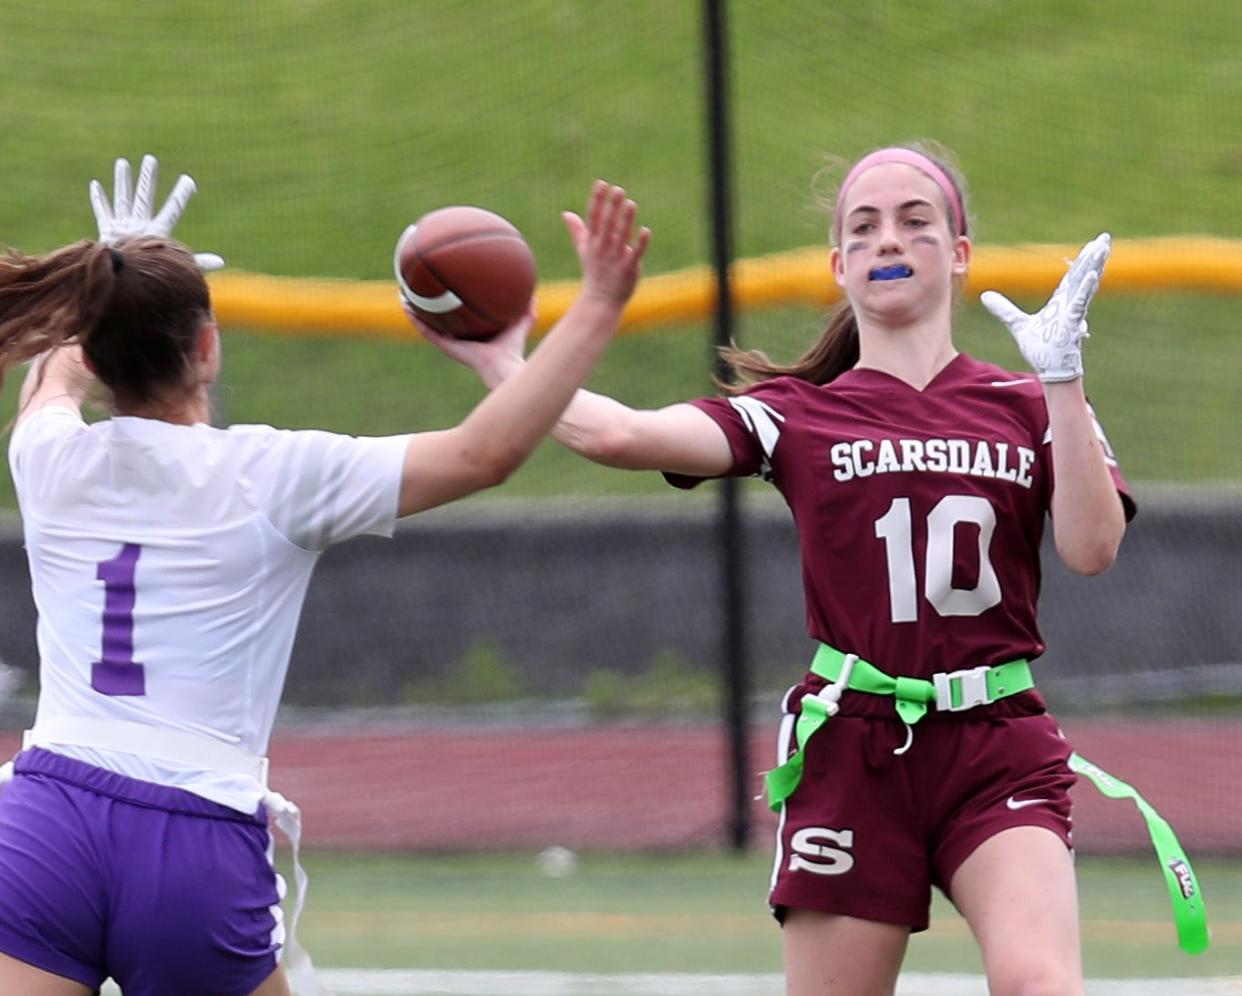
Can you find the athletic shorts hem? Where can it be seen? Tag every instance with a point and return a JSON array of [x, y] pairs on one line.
[[260, 977], [37, 955], [845, 906], [955, 856]]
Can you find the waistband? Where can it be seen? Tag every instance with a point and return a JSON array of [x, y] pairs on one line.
[[37, 761]]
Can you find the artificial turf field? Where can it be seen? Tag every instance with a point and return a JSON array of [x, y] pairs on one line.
[[699, 912]]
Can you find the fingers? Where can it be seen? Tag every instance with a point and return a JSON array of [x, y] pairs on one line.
[[426, 331], [129, 212], [103, 210], [1086, 271], [1003, 308], [1091, 257], [171, 212], [1081, 300], [596, 205], [121, 189], [612, 220], [620, 222], [578, 233], [1101, 246], [608, 204], [612, 251], [144, 196], [641, 243]]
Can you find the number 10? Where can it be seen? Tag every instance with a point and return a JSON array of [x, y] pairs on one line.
[[895, 528]]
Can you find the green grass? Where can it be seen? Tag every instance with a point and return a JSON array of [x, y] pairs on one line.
[[317, 131], [689, 913]]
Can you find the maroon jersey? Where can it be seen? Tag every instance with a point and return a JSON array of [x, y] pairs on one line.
[[919, 513]]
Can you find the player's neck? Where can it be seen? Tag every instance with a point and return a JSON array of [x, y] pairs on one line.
[[913, 353], [183, 410]]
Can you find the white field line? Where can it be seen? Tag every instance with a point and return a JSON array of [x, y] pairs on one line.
[[403, 982]]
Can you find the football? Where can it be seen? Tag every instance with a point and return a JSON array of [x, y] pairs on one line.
[[465, 271]]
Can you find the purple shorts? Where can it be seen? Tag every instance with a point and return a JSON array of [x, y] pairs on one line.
[[868, 832], [107, 876]]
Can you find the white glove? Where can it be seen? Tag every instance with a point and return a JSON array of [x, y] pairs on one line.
[[1051, 339], [129, 214]]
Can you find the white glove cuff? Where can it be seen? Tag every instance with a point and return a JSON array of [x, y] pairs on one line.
[[1067, 366]]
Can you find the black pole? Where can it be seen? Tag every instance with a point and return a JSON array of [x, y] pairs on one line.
[[734, 664]]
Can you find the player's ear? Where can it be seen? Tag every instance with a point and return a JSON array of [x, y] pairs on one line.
[[961, 255], [207, 352], [837, 262]]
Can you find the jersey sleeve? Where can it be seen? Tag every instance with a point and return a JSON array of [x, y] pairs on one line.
[[38, 443], [1110, 459], [319, 488], [752, 423]]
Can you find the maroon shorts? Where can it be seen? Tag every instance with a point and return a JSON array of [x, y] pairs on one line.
[[868, 832]]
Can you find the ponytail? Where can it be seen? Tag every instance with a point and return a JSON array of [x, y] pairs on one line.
[[135, 308], [46, 301], [834, 352]]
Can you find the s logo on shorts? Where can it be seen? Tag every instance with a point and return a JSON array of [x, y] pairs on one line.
[[813, 855]]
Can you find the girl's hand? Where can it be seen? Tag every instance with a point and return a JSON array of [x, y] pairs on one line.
[[492, 359], [1051, 339], [129, 213], [608, 249]]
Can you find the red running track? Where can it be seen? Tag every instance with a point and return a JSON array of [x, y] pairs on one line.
[[655, 787]]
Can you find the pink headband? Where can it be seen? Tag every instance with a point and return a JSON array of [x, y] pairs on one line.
[[908, 157]]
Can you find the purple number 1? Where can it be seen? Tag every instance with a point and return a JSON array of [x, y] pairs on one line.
[[117, 673]]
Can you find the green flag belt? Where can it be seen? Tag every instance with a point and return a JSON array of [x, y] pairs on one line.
[[953, 691], [957, 691]]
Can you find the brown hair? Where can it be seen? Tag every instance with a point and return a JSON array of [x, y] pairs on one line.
[[135, 308], [836, 350]]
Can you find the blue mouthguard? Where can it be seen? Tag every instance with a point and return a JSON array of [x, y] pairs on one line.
[[891, 272]]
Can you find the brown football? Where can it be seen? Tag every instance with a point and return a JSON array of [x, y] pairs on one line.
[[465, 271]]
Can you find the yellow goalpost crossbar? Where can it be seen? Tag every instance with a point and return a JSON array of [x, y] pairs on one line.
[[369, 308]]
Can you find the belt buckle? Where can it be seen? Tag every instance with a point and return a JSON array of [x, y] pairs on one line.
[[831, 693], [973, 682]]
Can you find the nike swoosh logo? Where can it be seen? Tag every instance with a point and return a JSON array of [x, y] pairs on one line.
[[1013, 803]]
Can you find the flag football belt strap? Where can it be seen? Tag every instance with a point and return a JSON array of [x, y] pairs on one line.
[[952, 691], [1189, 914], [206, 753]]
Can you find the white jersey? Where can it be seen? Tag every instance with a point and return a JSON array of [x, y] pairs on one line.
[[169, 565]]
